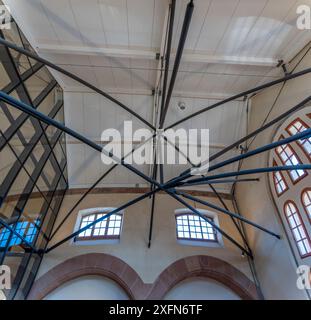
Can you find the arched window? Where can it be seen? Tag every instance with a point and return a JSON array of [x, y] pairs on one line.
[[297, 228], [280, 184], [291, 190], [109, 228], [298, 126], [192, 227], [306, 201], [289, 157]]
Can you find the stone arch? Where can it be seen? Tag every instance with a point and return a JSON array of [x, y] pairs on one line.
[[87, 264], [204, 266], [128, 279]]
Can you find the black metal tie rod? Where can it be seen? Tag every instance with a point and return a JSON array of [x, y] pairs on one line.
[[180, 49], [195, 211], [124, 206], [74, 77], [227, 212], [242, 94], [168, 54], [105, 174], [247, 172], [237, 226], [186, 174], [224, 181], [40, 116], [25, 108]]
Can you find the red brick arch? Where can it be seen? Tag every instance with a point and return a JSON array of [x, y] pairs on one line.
[[119, 271], [204, 266]]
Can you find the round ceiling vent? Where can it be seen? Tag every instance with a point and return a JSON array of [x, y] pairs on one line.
[[181, 105]]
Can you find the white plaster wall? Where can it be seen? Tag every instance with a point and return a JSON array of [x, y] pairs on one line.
[[88, 288], [200, 289], [132, 249], [274, 261]]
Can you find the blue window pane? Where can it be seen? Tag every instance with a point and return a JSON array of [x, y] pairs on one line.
[[25, 229], [4, 235]]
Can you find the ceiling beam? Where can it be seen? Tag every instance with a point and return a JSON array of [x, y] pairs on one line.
[[146, 92], [224, 59], [116, 52], [147, 54]]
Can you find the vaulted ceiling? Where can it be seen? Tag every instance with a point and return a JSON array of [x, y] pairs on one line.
[[232, 46]]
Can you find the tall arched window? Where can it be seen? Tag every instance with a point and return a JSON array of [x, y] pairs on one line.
[[289, 157], [291, 190], [306, 201], [297, 228], [299, 126], [280, 184]]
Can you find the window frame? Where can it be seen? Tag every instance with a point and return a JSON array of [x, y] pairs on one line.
[[218, 242], [100, 239], [301, 146], [302, 256], [298, 158], [30, 225], [303, 204], [283, 178]]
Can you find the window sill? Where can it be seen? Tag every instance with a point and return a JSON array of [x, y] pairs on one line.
[[95, 242], [198, 243]]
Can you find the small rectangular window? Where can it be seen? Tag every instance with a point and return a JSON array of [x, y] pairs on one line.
[[109, 228], [193, 227]]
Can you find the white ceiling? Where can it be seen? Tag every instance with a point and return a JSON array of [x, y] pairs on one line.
[[112, 43], [232, 45], [90, 113]]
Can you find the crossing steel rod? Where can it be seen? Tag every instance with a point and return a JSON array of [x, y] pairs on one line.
[[187, 173], [25, 108], [152, 210], [237, 226], [104, 175], [38, 115], [124, 206], [163, 93], [74, 77], [301, 135], [195, 211], [246, 172], [168, 54], [80, 200], [28, 173], [241, 95], [264, 127], [227, 212], [288, 77], [165, 104], [224, 181], [180, 49]]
